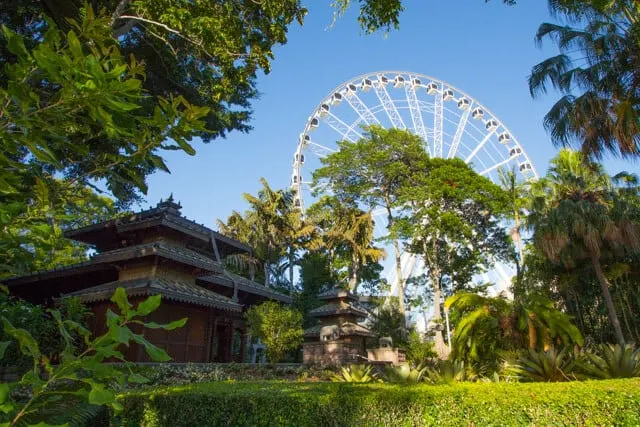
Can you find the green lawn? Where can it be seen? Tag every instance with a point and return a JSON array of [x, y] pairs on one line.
[[332, 404]]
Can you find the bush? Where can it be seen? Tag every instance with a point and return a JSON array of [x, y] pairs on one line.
[[279, 328], [611, 402], [169, 374]]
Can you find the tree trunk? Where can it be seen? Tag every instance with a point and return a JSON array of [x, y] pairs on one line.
[[266, 274], [399, 278], [439, 345], [533, 336], [354, 274], [291, 261], [611, 309]]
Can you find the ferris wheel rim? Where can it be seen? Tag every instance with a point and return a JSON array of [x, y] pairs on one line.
[[357, 82]]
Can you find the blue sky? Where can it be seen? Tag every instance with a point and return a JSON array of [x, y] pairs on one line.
[[486, 50]]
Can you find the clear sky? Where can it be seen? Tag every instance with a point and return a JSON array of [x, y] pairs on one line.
[[486, 50]]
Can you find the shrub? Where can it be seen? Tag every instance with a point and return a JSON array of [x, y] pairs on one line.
[[418, 350], [447, 371], [611, 402], [279, 328]]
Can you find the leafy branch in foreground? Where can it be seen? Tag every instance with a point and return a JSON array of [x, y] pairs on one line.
[[79, 375]]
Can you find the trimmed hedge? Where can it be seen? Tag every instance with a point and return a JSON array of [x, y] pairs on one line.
[[332, 404]]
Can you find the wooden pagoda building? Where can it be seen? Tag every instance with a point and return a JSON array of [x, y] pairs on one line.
[[338, 338], [158, 251]]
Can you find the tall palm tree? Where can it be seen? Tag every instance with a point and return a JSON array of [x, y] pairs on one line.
[[515, 190], [348, 231], [598, 72], [575, 215]]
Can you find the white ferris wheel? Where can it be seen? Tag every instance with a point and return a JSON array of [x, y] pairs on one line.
[[452, 123]]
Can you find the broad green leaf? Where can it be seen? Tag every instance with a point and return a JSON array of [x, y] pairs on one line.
[[3, 348], [120, 299], [5, 391], [7, 408], [169, 326], [155, 353], [149, 305], [100, 395], [28, 345]]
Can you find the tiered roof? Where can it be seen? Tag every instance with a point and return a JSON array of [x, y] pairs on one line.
[[340, 310], [123, 239], [171, 289]]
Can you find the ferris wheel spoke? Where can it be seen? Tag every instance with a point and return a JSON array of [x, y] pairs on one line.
[[341, 127], [497, 165], [388, 104], [438, 115], [416, 113], [361, 109], [480, 145], [319, 149], [455, 143]]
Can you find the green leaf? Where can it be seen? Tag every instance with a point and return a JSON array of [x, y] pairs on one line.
[[168, 326], [5, 392], [120, 299], [28, 345], [74, 45], [100, 395], [149, 305], [3, 348], [155, 353], [138, 379]]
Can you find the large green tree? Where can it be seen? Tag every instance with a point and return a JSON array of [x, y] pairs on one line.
[[32, 237], [452, 220], [577, 215], [369, 173]]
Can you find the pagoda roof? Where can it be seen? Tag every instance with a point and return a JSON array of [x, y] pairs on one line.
[[230, 280], [347, 328], [163, 249], [82, 267], [337, 293], [170, 289], [165, 214], [337, 309]]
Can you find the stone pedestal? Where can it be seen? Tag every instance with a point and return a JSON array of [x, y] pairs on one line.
[[331, 353], [395, 356]]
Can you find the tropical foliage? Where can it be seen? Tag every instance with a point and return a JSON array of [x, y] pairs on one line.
[[79, 374], [597, 73], [355, 374], [577, 215], [609, 361], [279, 328], [490, 325]]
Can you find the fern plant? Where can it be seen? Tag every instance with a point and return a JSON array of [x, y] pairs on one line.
[[405, 374], [610, 361], [547, 366], [355, 374]]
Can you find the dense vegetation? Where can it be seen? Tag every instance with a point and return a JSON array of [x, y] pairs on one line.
[[93, 93]]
